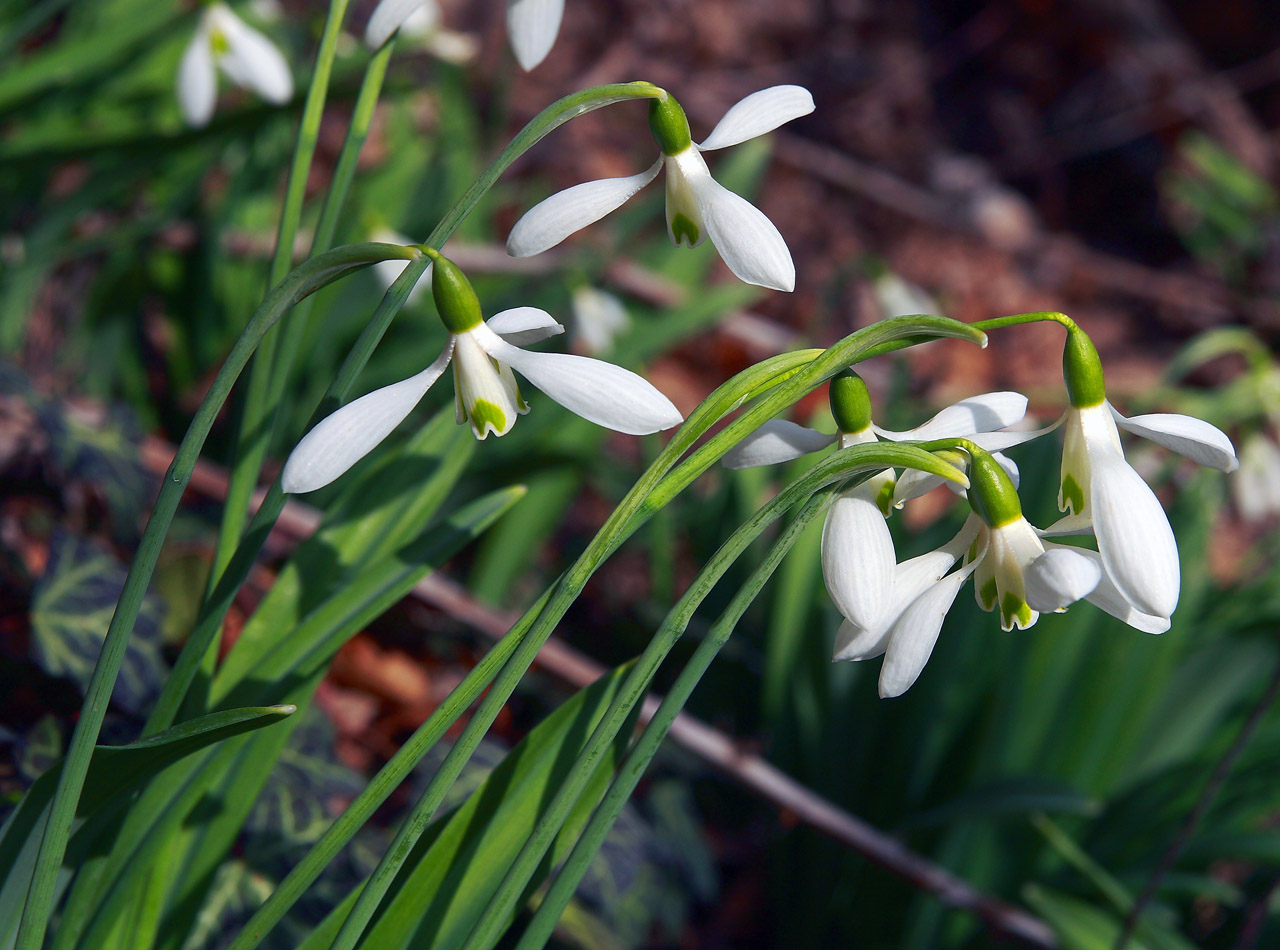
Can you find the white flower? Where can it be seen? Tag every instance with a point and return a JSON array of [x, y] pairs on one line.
[[1098, 487], [897, 298], [697, 205], [858, 558], [1012, 568], [249, 59], [532, 26], [486, 395], [598, 317], [1257, 485]]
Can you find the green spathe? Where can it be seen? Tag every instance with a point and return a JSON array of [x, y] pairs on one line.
[[456, 300], [669, 124], [991, 493], [1082, 370], [850, 402]]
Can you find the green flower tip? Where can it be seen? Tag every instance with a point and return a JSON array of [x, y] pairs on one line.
[[991, 493], [850, 402], [456, 300], [1082, 370], [669, 124]]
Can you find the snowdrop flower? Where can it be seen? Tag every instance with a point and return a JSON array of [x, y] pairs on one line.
[[598, 317], [697, 205], [532, 26], [1013, 570], [483, 354], [1257, 485], [858, 558], [1098, 487], [247, 57], [897, 298]]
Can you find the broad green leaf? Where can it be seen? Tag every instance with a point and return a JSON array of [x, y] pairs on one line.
[[113, 771], [71, 609]]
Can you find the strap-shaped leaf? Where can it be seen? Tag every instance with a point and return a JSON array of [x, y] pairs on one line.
[[113, 772]]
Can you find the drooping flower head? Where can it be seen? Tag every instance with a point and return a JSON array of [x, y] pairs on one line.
[[1099, 488], [483, 354], [697, 205], [858, 559], [223, 41], [532, 26]]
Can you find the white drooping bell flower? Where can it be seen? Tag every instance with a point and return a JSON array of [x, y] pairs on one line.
[[858, 559], [1100, 489], [697, 205], [483, 354], [598, 318], [1013, 570], [532, 26], [223, 41], [1256, 486]]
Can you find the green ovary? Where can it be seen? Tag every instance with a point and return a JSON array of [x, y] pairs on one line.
[[683, 229], [484, 413]]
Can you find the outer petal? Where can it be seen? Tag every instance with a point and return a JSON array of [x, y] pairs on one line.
[[552, 220], [975, 414], [253, 61], [858, 560], [1186, 435], [532, 26], [197, 80], [600, 392], [911, 579], [389, 16], [1138, 549], [351, 433], [759, 113], [1058, 578], [914, 635], [521, 326], [749, 243], [1108, 598], [776, 441]]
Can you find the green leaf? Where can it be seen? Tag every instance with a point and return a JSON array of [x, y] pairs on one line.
[[460, 861], [113, 771], [71, 609]]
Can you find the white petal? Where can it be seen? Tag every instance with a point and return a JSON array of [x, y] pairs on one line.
[[975, 414], [1186, 435], [521, 326], [532, 26], [197, 81], [858, 560], [857, 643], [749, 243], [600, 392], [552, 220], [759, 113], [1106, 597], [1058, 578], [1068, 525], [252, 60], [1008, 438], [916, 632], [1138, 549], [389, 16], [348, 435], [776, 441]]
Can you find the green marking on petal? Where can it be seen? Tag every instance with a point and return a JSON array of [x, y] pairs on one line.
[[1014, 610], [987, 595], [485, 414], [218, 42], [1071, 497], [884, 499], [683, 229], [972, 553]]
